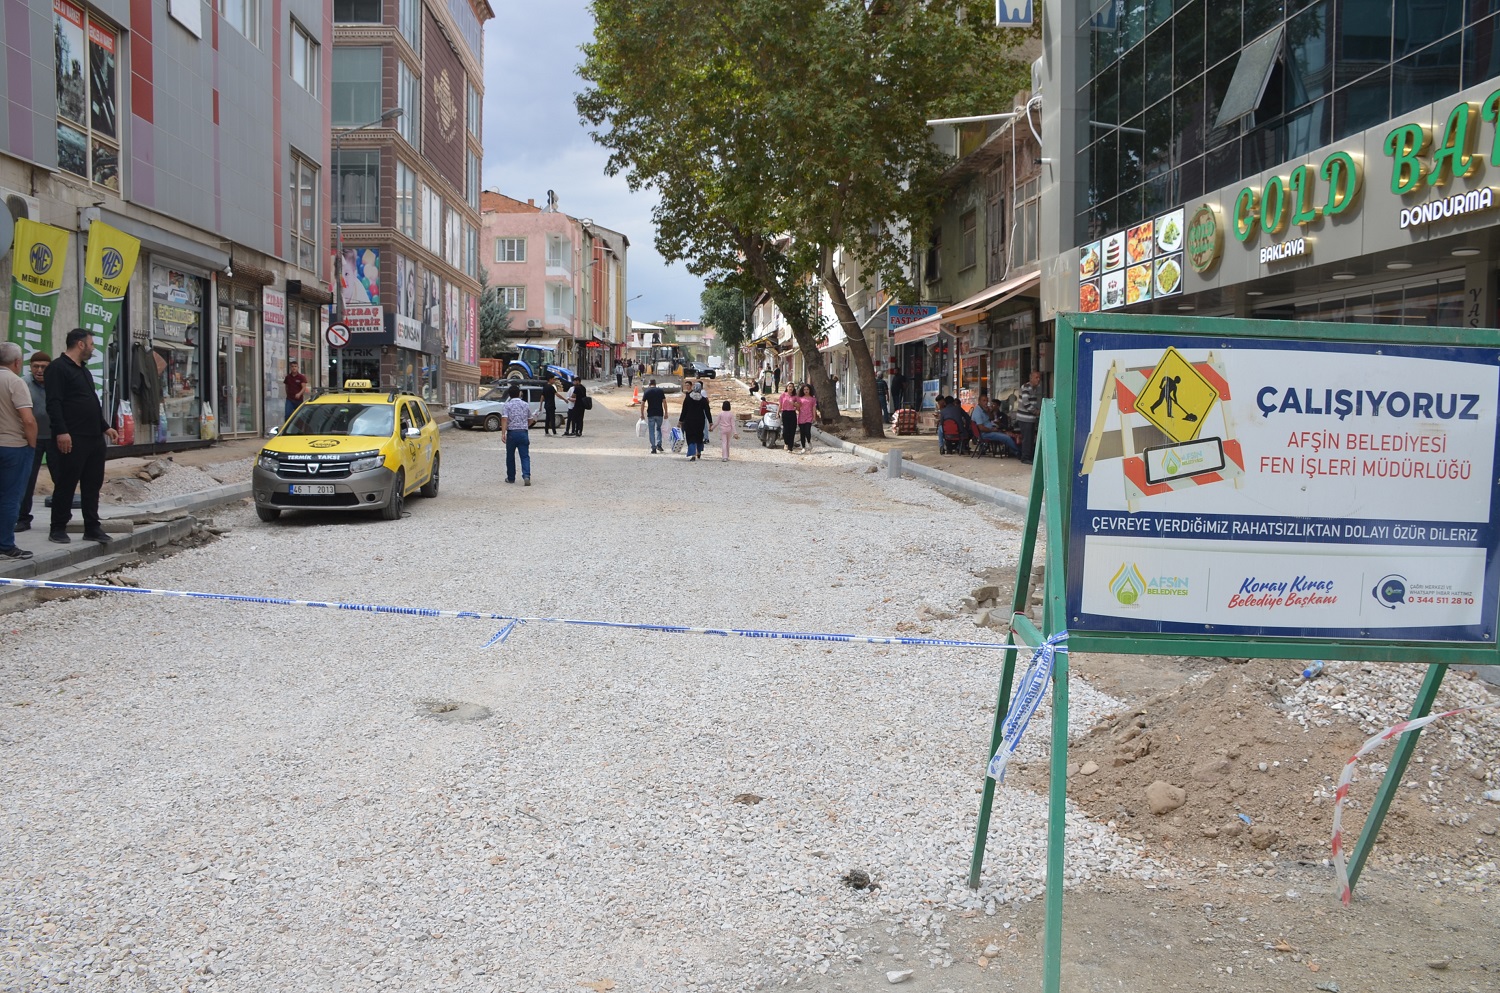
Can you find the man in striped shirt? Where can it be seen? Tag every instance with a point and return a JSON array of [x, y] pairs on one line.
[[515, 421]]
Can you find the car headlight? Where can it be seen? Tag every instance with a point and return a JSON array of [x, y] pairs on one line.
[[268, 462], [366, 464]]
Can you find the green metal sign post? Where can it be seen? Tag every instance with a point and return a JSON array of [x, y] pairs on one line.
[[1215, 493]]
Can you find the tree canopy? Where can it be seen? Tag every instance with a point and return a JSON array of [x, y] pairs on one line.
[[776, 131], [494, 319]]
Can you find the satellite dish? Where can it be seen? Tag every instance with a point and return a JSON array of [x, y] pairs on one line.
[[7, 232], [551, 200]]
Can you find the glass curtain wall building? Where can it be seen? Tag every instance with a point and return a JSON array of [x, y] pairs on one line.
[[1187, 96]]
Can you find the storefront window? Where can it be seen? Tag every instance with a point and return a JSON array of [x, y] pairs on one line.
[[178, 302], [301, 346], [238, 358]]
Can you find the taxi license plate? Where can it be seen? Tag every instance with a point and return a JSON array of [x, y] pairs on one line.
[[309, 489]]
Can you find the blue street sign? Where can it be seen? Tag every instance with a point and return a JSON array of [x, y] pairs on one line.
[[1013, 13]]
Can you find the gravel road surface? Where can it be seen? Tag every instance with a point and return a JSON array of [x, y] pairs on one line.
[[209, 796]]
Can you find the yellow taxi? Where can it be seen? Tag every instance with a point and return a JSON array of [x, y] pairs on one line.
[[355, 448]]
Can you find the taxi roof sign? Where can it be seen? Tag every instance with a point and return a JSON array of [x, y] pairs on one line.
[[358, 384]]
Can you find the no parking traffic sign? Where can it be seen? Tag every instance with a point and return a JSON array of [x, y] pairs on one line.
[[337, 335]]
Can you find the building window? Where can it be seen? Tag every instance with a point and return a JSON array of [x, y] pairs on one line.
[[557, 257], [453, 239], [1026, 245], [471, 179], [88, 141], [559, 301], [304, 214], [356, 86], [471, 250], [473, 106], [432, 220], [409, 99], [355, 11], [510, 249], [933, 269], [410, 22], [357, 174], [968, 226], [406, 200], [244, 17], [514, 297], [304, 59]]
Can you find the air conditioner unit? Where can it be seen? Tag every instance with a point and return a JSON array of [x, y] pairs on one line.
[[21, 206], [532, 324]]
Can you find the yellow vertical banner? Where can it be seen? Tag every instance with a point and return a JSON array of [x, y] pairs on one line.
[[37, 263], [108, 265]]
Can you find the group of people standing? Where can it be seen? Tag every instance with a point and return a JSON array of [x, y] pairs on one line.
[[56, 414], [575, 401]]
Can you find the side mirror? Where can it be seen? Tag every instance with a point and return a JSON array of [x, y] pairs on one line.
[[412, 433], [275, 431]]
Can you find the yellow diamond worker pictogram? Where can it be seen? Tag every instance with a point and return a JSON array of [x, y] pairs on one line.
[[1177, 397]]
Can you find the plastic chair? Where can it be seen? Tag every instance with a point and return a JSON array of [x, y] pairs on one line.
[[952, 440]]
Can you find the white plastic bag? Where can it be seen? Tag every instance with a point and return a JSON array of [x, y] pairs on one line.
[[640, 428]]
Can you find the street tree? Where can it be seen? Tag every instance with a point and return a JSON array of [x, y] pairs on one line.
[[778, 132], [494, 319], [724, 307]]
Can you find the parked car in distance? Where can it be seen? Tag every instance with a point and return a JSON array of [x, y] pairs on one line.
[[354, 448], [700, 369], [485, 412]]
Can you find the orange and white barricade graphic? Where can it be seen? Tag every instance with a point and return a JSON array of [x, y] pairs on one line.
[[1176, 400]]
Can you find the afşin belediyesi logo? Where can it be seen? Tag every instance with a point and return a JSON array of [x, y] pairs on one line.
[[1128, 585], [1390, 591]]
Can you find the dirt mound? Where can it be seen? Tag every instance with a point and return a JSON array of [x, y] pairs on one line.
[[1245, 758]]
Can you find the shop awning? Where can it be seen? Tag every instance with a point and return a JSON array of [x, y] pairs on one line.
[[968, 310], [545, 344]]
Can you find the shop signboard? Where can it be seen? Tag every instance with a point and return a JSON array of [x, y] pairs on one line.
[[1014, 13], [408, 333], [899, 315], [1272, 487]]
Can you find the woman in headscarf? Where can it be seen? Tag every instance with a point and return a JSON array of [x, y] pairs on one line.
[[693, 420]]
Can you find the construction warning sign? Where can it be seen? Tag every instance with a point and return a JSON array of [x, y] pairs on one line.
[[1177, 397], [1302, 488]]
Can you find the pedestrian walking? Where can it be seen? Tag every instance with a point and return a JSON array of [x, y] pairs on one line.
[[807, 411], [693, 420], [619, 374], [569, 399], [36, 384], [883, 391], [898, 389], [629, 373], [79, 431], [17, 445], [515, 421], [725, 425], [787, 405], [1028, 412], [580, 402], [549, 405], [654, 412]]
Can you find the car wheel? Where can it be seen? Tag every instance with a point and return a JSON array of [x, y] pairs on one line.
[[268, 514], [492, 422], [393, 507], [430, 488]]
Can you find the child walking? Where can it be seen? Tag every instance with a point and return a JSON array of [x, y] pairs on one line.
[[724, 424]]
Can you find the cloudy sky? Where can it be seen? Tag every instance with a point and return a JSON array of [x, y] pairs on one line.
[[534, 142]]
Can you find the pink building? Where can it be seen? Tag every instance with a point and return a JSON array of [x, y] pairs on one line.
[[562, 278]]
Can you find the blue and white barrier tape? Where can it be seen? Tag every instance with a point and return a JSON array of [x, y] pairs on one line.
[[1033, 689], [511, 621]]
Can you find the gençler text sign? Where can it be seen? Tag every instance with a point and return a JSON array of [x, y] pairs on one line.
[[1255, 486]]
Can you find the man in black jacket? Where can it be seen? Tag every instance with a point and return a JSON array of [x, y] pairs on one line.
[[78, 433]]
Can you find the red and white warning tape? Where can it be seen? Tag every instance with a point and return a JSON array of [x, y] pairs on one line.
[[1394, 731]]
